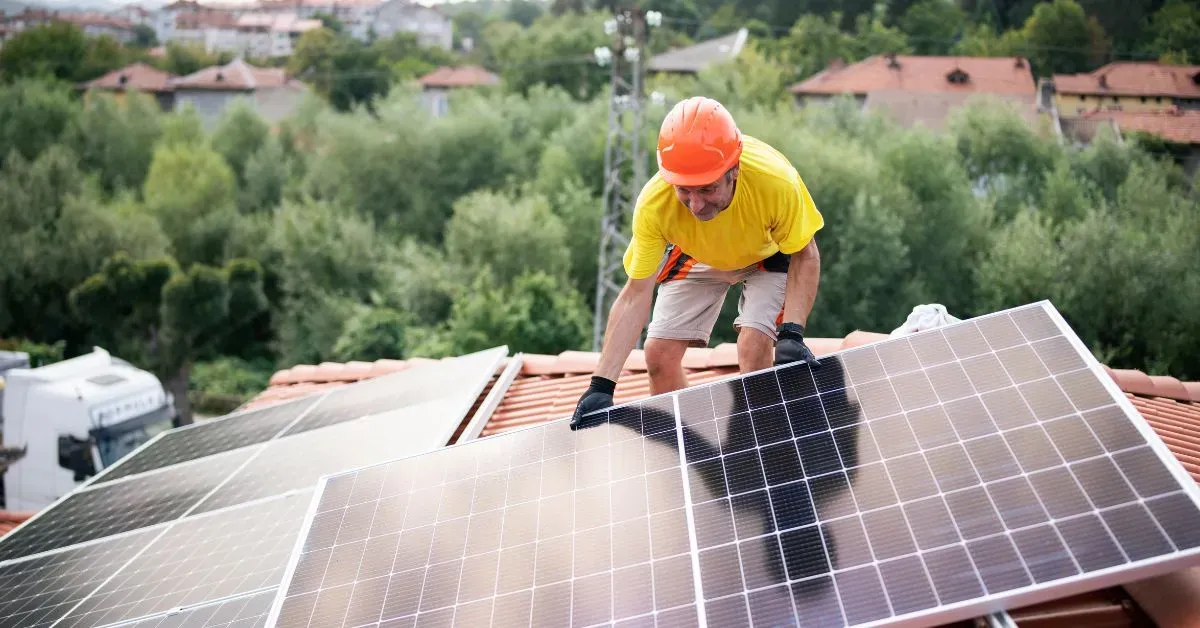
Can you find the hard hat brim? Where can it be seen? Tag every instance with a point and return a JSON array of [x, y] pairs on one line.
[[699, 179]]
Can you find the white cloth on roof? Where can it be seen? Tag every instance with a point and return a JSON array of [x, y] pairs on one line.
[[924, 317]]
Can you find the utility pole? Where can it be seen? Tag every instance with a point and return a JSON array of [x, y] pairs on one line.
[[624, 155]]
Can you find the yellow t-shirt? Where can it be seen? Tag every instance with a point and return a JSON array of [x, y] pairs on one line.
[[771, 212]]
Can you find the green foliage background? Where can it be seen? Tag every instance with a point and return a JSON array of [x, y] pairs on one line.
[[364, 228]]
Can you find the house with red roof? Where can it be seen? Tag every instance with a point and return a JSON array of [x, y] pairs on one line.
[[272, 92], [138, 77], [437, 85], [919, 90]]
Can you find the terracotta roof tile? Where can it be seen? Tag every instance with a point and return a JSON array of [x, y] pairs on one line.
[[236, 75], [465, 76], [10, 520], [1130, 78], [138, 76], [1000, 75], [1177, 125]]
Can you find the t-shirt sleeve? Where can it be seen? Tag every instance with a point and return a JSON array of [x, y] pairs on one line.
[[798, 219], [646, 247]]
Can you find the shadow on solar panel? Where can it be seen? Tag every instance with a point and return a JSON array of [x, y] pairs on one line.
[[928, 478]]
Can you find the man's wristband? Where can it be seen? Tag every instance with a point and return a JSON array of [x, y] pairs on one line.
[[602, 384], [795, 330]]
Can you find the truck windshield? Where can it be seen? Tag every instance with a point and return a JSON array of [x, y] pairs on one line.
[[117, 441]]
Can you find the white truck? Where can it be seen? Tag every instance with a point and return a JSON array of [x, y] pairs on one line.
[[74, 418]]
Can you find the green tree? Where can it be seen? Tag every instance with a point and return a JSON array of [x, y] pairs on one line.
[[184, 59], [144, 36], [524, 12], [1175, 30], [240, 133], [373, 333], [537, 313], [509, 235], [50, 250], [53, 50], [554, 50], [116, 141], [104, 54], [33, 116], [165, 316], [344, 70], [932, 25], [1062, 39], [191, 191]]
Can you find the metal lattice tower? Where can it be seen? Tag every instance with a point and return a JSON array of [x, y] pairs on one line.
[[624, 155]]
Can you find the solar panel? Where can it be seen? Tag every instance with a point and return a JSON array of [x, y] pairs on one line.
[[299, 461], [39, 590], [116, 507], [244, 611], [461, 378], [939, 476], [202, 556], [211, 437], [198, 559]]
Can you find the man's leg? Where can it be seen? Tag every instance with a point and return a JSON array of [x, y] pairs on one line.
[[759, 312], [756, 350], [664, 361], [688, 304]]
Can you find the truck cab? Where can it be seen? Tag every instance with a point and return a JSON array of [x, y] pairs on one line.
[[74, 418]]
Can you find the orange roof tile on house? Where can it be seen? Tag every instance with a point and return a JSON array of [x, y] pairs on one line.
[[999, 75], [138, 76], [1133, 78], [236, 75], [464, 76], [1176, 125], [10, 520]]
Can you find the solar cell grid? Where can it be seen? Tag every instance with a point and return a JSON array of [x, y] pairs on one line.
[[40, 590], [200, 559], [111, 508], [920, 476], [299, 461], [205, 439]]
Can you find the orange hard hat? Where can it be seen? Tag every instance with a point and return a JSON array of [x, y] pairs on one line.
[[698, 142]]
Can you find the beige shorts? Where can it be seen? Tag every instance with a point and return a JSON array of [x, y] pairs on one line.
[[690, 296]]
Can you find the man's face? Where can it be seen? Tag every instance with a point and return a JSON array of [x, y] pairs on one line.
[[706, 201]]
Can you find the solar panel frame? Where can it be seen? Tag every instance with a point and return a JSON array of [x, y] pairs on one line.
[[248, 610], [982, 338]]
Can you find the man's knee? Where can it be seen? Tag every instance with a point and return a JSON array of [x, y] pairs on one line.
[[663, 355]]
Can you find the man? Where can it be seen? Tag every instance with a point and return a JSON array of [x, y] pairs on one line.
[[726, 208]]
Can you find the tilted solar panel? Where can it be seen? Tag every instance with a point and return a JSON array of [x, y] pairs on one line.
[[938, 476], [169, 544]]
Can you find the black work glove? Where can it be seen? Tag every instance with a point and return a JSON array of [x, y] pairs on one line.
[[791, 348], [598, 396]]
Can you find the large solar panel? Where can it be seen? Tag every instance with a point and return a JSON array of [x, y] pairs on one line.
[[210, 437], [461, 378], [202, 558], [116, 507], [941, 476]]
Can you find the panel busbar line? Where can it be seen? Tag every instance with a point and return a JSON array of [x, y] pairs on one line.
[[934, 476], [243, 611]]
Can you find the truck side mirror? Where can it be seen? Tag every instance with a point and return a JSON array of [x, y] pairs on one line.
[[75, 455]]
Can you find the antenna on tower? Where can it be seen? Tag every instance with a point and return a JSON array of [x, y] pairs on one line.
[[624, 155]]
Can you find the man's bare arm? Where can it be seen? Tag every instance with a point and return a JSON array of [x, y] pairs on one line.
[[626, 320], [803, 277]]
